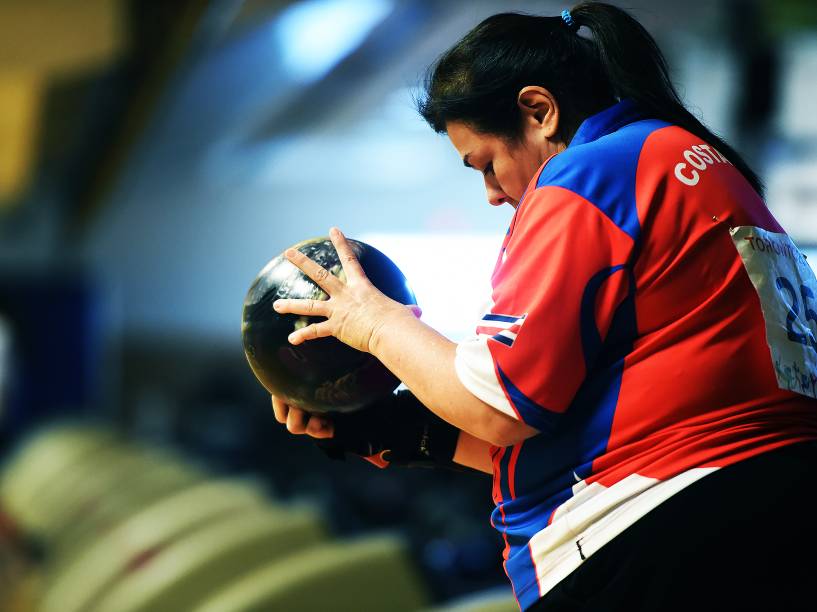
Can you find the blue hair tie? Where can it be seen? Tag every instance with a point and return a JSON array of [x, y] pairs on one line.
[[568, 19]]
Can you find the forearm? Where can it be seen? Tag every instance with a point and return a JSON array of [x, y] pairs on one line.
[[473, 453], [424, 360]]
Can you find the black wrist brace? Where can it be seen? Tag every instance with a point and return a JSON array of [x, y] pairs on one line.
[[398, 430]]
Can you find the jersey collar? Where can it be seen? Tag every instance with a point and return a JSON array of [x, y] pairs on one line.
[[606, 122]]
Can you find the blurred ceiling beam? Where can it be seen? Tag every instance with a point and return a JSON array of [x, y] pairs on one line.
[[397, 35], [252, 12], [165, 34]]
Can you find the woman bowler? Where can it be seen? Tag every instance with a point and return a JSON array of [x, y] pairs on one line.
[[642, 387]]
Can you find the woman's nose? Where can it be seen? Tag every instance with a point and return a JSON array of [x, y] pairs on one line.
[[494, 192]]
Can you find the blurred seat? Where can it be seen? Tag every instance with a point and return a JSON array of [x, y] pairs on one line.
[[42, 460], [492, 600], [84, 488], [183, 574], [100, 480], [371, 574], [75, 581], [159, 477]]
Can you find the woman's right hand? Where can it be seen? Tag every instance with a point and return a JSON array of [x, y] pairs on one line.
[[397, 429], [299, 421]]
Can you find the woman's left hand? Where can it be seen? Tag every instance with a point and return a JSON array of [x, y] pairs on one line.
[[355, 310]]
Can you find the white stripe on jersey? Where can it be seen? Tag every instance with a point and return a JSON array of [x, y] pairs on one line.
[[475, 368], [594, 516]]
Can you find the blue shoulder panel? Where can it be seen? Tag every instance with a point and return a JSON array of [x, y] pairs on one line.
[[603, 172]]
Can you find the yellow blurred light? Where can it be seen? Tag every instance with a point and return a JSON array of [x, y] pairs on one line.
[[59, 36], [20, 99]]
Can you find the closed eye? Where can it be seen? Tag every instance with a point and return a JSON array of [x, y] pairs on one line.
[[488, 169]]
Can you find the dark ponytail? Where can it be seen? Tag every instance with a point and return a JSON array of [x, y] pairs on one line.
[[636, 69], [477, 81]]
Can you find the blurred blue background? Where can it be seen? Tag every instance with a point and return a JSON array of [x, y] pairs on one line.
[[155, 155]]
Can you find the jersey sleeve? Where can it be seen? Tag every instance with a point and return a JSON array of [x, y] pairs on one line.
[[564, 274]]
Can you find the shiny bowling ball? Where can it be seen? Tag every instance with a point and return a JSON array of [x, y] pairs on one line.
[[322, 375]]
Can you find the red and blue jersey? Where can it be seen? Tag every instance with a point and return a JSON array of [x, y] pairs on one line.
[[624, 328]]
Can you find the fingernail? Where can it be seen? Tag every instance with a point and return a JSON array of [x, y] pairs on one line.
[[276, 305], [289, 253]]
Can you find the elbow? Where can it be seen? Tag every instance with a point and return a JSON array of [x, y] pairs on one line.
[[491, 425], [508, 432]]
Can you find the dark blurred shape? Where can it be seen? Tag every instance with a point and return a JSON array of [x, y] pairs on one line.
[[125, 96], [54, 322], [320, 375], [758, 67]]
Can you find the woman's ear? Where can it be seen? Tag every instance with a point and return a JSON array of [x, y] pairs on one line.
[[539, 110]]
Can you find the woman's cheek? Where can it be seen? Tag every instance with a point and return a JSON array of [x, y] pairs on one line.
[[512, 186]]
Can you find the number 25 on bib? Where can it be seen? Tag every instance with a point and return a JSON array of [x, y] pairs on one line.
[[788, 296]]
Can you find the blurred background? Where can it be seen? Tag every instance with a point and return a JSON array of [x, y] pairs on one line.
[[154, 155]]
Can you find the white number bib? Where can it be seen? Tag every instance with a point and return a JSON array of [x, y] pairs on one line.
[[788, 296]]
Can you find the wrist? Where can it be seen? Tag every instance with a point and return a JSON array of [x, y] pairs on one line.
[[394, 315], [422, 439], [398, 430]]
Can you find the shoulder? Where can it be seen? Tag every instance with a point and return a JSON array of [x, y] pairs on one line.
[[603, 172]]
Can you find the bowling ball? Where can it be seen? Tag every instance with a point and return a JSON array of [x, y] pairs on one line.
[[321, 375]]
